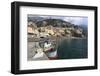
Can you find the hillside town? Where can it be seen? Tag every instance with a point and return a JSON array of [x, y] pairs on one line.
[[50, 31]]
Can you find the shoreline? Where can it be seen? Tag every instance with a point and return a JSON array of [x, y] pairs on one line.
[[53, 38]]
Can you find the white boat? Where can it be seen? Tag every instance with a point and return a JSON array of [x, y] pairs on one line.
[[50, 51], [47, 46], [47, 51]]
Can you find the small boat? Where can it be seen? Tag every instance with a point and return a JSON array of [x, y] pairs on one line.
[[50, 51], [47, 46]]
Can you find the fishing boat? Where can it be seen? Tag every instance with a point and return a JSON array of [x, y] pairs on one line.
[[46, 51], [50, 50]]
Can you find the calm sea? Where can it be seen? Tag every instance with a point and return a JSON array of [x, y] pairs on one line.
[[73, 49]]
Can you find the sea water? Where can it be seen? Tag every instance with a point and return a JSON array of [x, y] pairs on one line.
[[72, 49]]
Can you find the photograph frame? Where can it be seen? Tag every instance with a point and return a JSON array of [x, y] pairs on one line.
[[15, 37]]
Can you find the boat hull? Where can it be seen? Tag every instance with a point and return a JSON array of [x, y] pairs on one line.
[[52, 54]]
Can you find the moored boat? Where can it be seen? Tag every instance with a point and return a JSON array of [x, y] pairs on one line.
[[50, 51]]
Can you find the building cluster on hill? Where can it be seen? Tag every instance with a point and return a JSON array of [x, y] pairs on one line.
[[49, 31]]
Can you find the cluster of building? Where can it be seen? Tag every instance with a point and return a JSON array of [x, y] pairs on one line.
[[48, 31]]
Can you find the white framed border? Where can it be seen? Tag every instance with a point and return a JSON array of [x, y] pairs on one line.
[[24, 64]]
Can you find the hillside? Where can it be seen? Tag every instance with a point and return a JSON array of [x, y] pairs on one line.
[[54, 23], [57, 27]]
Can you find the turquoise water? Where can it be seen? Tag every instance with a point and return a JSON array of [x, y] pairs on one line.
[[72, 49]]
